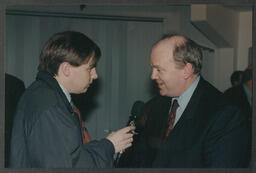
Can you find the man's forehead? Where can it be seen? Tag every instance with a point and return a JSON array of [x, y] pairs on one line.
[[169, 44], [164, 47], [174, 40]]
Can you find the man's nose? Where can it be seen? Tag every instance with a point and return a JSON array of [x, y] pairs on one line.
[[95, 75], [153, 75]]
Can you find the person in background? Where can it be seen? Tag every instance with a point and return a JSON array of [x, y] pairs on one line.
[[241, 96], [14, 88], [47, 131], [236, 78], [190, 124]]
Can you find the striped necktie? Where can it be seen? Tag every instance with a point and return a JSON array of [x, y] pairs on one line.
[[85, 135], [171, 118]]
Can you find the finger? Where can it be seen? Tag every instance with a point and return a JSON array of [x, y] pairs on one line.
[[126, 146], [125, 142], [127, 129], [122, 148], [126, 136], [132, 127]]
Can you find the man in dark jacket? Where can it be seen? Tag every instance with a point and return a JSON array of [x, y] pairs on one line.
[[241, 96], [190, 124], [14, 88], [47, 131]]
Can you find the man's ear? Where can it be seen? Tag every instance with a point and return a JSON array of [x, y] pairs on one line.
[[64, 69], [188, 70]]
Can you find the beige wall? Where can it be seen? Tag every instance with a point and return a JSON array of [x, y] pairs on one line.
[[224, 21], [244, 39], [223, 67], [235, 28]]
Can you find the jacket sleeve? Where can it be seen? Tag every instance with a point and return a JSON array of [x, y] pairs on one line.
[[227, 144], [98, 153], [55, 142]]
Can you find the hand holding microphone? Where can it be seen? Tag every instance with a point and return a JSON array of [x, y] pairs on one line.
[[136, 114], [121, 139]]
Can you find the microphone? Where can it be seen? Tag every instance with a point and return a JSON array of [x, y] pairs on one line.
[[136, 113]]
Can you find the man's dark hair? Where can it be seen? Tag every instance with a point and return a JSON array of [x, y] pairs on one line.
[[69, 46], [247, 75], [236, 77], [186, 51]]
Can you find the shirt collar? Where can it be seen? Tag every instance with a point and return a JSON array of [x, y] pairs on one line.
[[248, 93], [65, 92], [184, 98]]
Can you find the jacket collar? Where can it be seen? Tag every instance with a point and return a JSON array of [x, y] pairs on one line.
[[47, 78], [193, 105]]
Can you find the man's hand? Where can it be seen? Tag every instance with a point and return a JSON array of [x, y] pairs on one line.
[[122, 138]]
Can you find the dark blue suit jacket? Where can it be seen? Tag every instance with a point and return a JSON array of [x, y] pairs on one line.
[[47, 134], [210, 133]]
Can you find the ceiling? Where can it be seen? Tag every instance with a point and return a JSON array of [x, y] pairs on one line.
[[81, 8], [241, 8]]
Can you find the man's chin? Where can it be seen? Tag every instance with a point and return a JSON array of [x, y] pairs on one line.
[[81, 92], [162, 93], [85, 90]]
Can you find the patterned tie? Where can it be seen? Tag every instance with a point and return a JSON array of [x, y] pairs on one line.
[[85, 135], [171, 118]]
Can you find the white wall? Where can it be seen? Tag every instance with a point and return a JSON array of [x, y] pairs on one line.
[[235, 28], [244, 39], [224, 21], [223, 65]]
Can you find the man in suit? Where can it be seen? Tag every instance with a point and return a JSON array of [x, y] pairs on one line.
[[241, 95], [47, 132], [205, 130]]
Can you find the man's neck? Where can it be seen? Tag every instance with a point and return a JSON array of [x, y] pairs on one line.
[[62, 82], [190, 81], [64, 89]]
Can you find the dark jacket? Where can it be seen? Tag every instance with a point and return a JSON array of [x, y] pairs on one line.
[[14, 88], [210, 133], [47, 135], [237, 96]]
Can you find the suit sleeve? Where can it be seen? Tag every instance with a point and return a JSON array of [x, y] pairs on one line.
[[228, 140], [55, 143]]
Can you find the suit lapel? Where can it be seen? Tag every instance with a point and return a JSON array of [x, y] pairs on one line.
[[193, 106]]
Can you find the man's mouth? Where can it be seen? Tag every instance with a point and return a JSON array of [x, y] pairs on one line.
[[160, 84]]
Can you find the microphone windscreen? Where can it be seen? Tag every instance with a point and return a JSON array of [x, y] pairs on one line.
[[138, 109]]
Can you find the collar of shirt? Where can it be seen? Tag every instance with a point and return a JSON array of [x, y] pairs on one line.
[[65, 92], [248, 93], [184, 98]]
